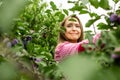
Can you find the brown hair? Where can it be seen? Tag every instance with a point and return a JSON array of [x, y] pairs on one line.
[[62, 36]]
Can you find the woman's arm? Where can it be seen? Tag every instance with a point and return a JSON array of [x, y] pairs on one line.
[[67, 48]]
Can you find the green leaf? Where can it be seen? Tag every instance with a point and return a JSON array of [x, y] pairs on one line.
[[21, 28], [76, 67], [113, 38], [42, 63], [71, 2], [84, 1], [93, 14], [102, 26], [72, 19], [118, 11], [48, 55], [77, 8], [104, 4], [65, 11], [7, 71], [95, 3], [58, 13], [48, 11], [116, 1], [62, 17], [1, 59], [42, 6], [84, 11], [84, 67], [54, 7], [91, 21]]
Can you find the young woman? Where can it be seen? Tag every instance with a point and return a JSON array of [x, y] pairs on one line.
[[70, 42]]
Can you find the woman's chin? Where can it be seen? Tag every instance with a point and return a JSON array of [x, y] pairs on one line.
[[74, 40]]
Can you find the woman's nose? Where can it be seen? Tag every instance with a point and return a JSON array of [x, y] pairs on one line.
[[74, 27]]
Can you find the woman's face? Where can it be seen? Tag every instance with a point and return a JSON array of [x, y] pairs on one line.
[[73, 30]]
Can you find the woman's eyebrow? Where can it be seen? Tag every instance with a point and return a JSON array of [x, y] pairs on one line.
[[69, 23], [77, 24]]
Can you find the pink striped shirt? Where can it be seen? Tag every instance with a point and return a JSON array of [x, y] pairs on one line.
[[67, 48]]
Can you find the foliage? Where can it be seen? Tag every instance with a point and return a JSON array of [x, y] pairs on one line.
[[33, 38]]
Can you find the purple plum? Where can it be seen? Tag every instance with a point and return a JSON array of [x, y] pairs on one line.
[[115, 56], [113, 17], [37, 60], [28, 38], [118, 19], [14, 42]]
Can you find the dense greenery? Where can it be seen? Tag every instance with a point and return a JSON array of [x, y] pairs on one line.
[[28, 37]]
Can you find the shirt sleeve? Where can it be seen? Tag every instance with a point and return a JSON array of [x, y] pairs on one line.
[[67, 48]]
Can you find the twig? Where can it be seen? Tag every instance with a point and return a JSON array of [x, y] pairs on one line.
[[93, 23]]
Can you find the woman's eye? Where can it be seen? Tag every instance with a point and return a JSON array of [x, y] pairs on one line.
[[69, 26], [77, 26]]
